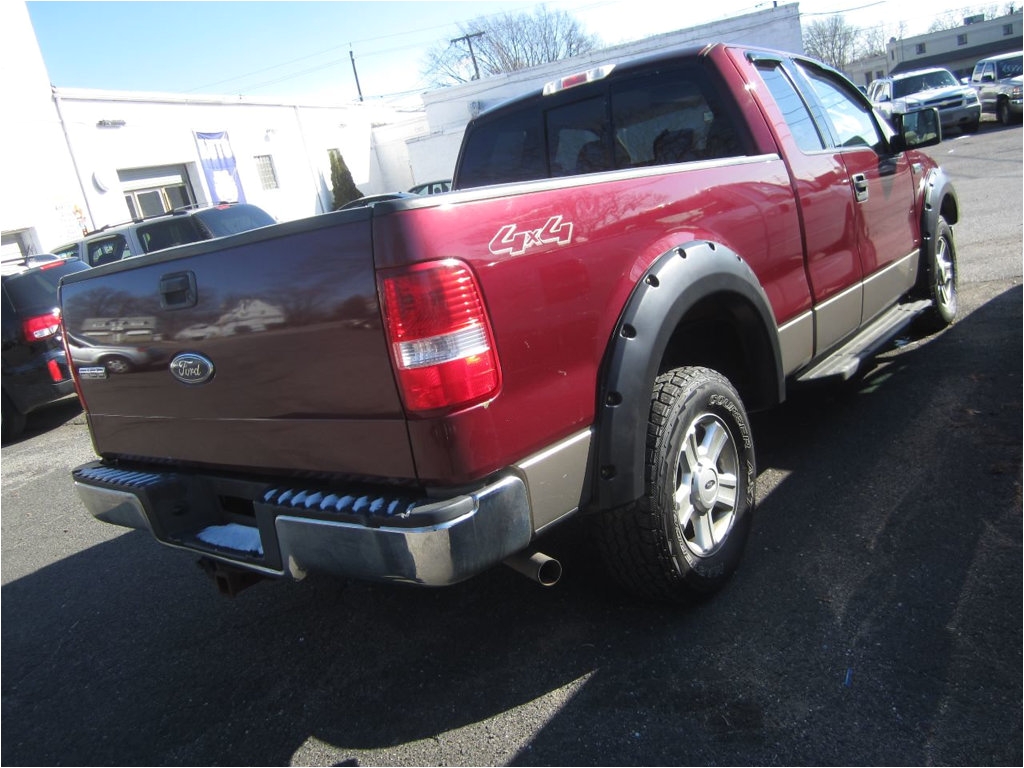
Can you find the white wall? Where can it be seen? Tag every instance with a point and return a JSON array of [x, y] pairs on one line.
[[158, 130], [40, 195]]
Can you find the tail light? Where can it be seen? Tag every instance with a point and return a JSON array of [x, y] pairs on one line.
[[41, 327], [441, 341], [56, 374]]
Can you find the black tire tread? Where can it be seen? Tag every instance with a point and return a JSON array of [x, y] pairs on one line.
[[631, 538]]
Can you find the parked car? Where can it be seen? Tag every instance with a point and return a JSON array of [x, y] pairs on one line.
[[997, 81], [634, 256], [187, 225], [957, 103], [35, 369], [432, 187]]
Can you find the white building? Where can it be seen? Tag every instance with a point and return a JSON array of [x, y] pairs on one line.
[[957, 50], [77, 159]]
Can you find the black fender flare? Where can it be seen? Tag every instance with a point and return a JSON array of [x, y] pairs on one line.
[[674, 284], [939, 200]]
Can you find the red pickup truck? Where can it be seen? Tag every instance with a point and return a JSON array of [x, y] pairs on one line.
[[417, 390]]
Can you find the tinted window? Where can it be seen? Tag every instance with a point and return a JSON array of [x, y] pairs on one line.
[[578, 138], [37, 288], [794, 110], [170, 232], [508, 149], [234, 219], [1010, 67], [651, 118], [671, 117]]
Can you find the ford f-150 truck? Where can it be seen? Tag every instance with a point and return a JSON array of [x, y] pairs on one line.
[[414, 391]]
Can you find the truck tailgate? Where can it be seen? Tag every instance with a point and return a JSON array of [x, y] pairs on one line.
[[261, 350]]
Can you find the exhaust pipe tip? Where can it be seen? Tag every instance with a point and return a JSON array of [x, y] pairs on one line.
[[537, 566]]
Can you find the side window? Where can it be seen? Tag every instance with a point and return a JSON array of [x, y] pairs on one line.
[[107, 250], [850, 120], [671, 117], [794, 110]]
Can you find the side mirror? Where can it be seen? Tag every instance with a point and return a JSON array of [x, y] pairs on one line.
[[920, 128]]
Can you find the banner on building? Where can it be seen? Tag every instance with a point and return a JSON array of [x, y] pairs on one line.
[[219, 167]]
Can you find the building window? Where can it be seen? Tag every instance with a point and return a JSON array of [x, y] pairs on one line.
[[1007, 29], [265, 168], [921, 48], [961, 39]]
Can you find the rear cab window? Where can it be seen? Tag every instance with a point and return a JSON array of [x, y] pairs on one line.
[[231, 220], [674, 113]]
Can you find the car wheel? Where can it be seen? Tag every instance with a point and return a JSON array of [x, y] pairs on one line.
[[1004, 112], [13, 420], [941, 277], [684, 537], [973, 126], [117, 364]]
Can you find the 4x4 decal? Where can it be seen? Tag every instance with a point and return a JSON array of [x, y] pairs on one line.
[[516, 243]]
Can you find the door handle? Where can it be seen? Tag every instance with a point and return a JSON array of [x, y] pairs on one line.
[[178, 290], [860, 187]]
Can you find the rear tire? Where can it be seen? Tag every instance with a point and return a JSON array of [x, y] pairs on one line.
[[940, 277], [684, 537], [1003, 110]]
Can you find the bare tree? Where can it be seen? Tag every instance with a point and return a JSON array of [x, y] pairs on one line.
[[507, 42], [954, 19], [831, 40]]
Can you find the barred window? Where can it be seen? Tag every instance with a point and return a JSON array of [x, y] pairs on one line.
[[961, 39], [265, 168], [921, 48], [1007, 29]]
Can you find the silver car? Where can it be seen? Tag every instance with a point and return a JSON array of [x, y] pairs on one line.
[[957, 103]]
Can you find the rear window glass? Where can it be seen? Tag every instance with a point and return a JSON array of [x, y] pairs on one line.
[[652, 118], [237, 218], [37, 288], [1010, 67], [69, 251], [509, 149], [168, 233]]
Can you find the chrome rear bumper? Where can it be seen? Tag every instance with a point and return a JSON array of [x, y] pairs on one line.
[[286, 531]]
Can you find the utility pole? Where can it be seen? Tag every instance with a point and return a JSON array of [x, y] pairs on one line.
[[469, 42], [358, 89]]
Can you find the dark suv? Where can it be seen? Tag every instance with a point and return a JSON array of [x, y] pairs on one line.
[[188, 225], [35, 370]]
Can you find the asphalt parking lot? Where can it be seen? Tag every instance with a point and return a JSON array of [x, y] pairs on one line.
[[876, 620]]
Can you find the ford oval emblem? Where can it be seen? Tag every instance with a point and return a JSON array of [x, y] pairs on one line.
[[191, 368]]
